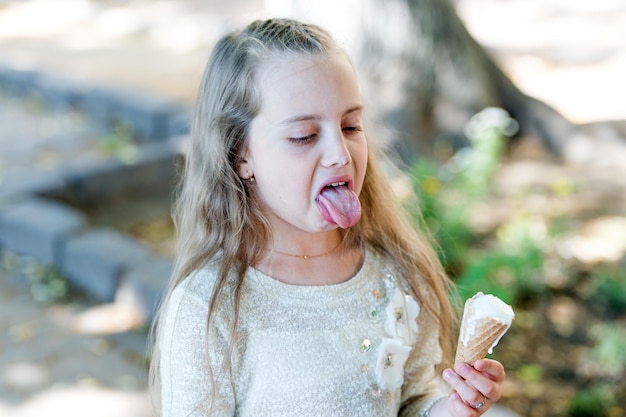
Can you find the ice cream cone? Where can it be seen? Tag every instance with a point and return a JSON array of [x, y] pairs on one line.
[[485, 320], [487, 332]]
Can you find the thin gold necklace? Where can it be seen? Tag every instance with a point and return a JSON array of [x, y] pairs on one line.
[[309, 256]]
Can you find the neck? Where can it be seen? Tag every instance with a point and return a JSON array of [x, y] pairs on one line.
[[338, 266], [302, 245], [327, 259], [309, 256]]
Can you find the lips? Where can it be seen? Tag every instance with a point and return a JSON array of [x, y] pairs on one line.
[[339, 205]]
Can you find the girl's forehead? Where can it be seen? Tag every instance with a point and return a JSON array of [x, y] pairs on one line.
[[294, 67], [295, 86]]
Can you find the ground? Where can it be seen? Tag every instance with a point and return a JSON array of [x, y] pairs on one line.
[[65, 357]]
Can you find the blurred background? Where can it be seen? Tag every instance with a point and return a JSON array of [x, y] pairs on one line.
[[519, 167]]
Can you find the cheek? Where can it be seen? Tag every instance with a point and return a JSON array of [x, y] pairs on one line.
[[282, 180]]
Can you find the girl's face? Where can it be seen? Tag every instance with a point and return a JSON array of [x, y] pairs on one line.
[[307, 136]]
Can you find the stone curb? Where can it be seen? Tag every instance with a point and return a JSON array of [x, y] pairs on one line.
[[96, 259], [154, 171], [37, 227], [34, 221], [148, 117], [105, 263], [144, 284]]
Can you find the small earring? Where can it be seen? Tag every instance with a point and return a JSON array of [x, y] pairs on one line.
[[251, 178]]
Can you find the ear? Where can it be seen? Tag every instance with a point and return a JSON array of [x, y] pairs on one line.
[[244, 170]]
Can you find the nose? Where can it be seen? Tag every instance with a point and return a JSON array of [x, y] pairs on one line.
[[336, 152]]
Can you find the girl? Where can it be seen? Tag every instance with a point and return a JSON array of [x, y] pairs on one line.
[[300, 289]]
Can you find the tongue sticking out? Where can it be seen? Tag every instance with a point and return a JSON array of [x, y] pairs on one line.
[[339, 205]]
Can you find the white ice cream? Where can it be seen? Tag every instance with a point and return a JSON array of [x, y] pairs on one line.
[[482, 306]]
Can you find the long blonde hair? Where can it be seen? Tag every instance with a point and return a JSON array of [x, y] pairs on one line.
[[217, 215]]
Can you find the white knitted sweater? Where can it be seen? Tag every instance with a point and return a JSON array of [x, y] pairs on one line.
[[359, 348]]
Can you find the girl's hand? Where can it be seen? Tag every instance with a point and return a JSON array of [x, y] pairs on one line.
[[475, 387]]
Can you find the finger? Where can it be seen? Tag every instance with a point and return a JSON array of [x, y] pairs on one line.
[[459, 408], [480, 381], [492, 368], [468, 393]]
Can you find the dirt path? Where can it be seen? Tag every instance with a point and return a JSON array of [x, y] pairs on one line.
[[57, 359]]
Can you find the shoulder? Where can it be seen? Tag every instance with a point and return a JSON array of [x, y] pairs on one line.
[[199, 284], [187, 307], [383, 261], [195, 291], [390, 263]]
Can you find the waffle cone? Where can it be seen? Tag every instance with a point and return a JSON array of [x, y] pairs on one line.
[[485, 335]]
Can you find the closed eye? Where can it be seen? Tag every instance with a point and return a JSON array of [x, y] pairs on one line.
[[302, 140], [352, 129]]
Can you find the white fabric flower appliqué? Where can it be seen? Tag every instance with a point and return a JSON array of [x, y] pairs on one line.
[[392, 355], [402, 313]]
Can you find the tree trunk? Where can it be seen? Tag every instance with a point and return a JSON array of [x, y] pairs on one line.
[[445, 77]]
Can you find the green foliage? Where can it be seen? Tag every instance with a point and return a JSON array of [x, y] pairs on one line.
[[505, 274], [510, 270], [446, 195], [119, 143], [465, 179], [486, 131], [47, 285], [530, 373], [609, 352], [596, 401], [447, 222], [609, 285]]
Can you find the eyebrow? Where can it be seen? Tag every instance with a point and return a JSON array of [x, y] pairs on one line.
[[308, 117]]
